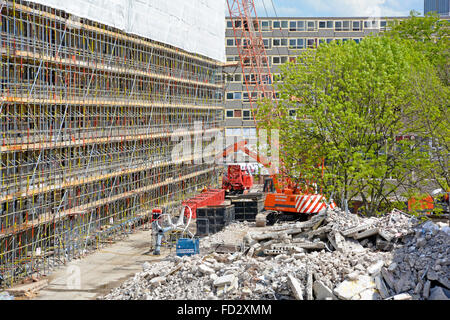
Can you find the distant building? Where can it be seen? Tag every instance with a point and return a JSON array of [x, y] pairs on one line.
[[441, 7], [284, 39]]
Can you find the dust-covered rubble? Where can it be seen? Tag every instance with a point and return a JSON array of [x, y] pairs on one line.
[[333, 256]]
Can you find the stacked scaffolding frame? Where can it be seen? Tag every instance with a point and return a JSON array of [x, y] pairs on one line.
[[87, 115]]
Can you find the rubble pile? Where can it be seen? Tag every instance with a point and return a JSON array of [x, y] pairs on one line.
[[333, 256]]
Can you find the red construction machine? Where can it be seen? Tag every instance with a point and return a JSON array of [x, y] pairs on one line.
[[237, 180], [282, 195]]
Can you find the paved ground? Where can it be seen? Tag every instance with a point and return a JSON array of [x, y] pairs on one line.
[[101, 271]]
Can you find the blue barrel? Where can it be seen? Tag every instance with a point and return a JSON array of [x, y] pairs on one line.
[[188, 247]]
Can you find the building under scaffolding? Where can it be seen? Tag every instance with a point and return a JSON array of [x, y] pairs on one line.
[[87, 114]]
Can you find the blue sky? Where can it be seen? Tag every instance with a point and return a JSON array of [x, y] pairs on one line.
[[337, 8]]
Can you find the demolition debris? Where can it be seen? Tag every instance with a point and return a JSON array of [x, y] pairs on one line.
[[334, 256]]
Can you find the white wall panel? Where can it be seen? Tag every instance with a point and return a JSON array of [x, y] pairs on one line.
[[197, 26]]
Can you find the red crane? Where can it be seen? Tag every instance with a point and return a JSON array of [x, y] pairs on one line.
[[289, 198], [252, 53]]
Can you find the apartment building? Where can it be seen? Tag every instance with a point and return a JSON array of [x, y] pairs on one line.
[[441, 7], [284, 39]]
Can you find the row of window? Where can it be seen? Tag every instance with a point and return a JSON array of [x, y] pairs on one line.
[[293, 43], [237, 78], [305, 25], [244, 96], [246, 114]]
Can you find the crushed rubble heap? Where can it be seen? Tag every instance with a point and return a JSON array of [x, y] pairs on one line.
[[333, 256]]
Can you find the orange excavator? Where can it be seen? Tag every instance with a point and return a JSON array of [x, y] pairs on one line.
[[282, 195]]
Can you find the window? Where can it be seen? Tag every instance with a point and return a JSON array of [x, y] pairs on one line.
[[230, 113], [230, 59], [330, 40], [321, 41], [356, 26], [342, 25], [280, 42], [237, 113], [245, 97], [265, 25], [266, 43], [357, 40], [311, 25], [311, 43], [250, 78], [293, 26], [234, 78], [277, 25], [292, 59], [296, 44], [238, 24], [230, 42], [247, 115], [300, 25], [229, 24], [346, 25], [383, 25], [371, 24], [329, 24], [284, 24], [234, 96], [322, 24], [292, 113]]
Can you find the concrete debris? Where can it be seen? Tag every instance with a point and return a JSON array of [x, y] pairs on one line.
[[439, 293], [322, 292], [332, 256], [295, 287]]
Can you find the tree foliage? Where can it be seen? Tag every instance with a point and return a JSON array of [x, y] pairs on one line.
[[356, 100], [430, 35]]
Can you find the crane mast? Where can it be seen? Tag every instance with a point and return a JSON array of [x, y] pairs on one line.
[[252, 53]]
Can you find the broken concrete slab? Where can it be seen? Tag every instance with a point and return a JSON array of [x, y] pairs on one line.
[[158, 281], [309, 286], [355, 230], [426, 289], [381, 287], [366, 234], [375, 269], [225, 280], [388, 277], [322, 292], [368, 295], [295, 286], [438, 293], [205, 269], [349, 289]]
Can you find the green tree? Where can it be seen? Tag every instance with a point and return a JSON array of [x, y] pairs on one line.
[[430, 35], [356, 100]]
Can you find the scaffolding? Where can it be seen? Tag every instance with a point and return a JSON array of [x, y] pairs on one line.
[[87, 115]]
